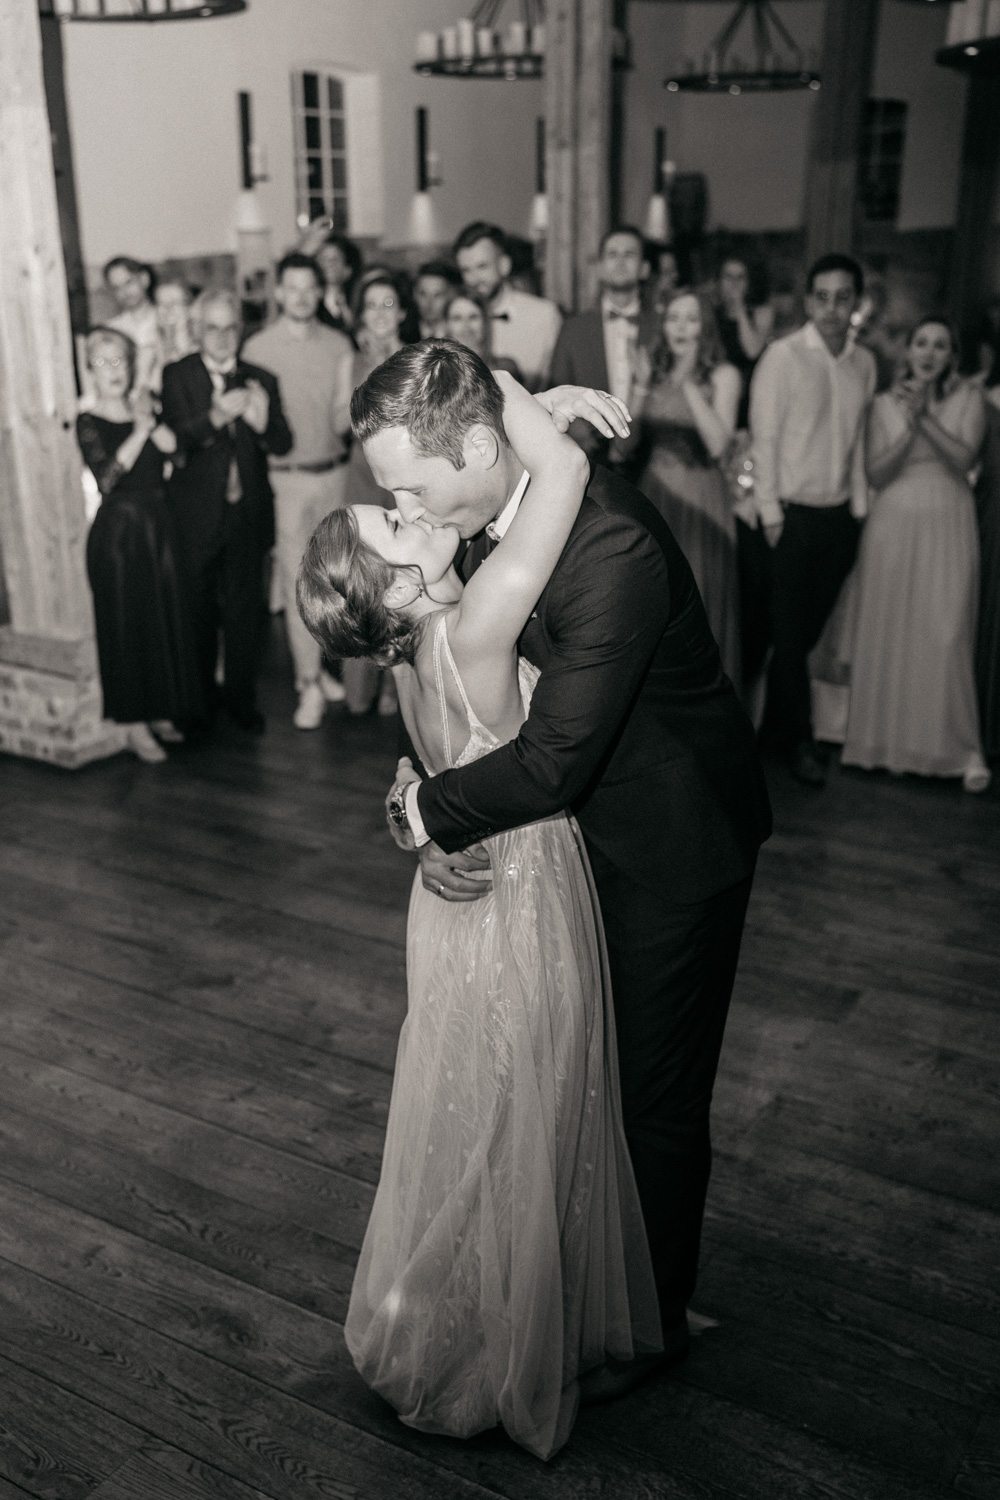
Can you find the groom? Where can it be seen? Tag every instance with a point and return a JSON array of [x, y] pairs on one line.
[[634, 728]]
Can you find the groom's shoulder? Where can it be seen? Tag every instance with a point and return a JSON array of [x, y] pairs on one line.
[[611, 504]]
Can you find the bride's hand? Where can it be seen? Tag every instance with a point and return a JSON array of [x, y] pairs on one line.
[[445, 875], [564, 403]]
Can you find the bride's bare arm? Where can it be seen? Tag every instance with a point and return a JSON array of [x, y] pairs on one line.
[[501, 594]]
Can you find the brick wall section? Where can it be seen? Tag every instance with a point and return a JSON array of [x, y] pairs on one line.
[[46, 716]]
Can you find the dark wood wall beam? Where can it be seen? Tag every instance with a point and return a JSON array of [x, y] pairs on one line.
[[974, 242], [849, 30]]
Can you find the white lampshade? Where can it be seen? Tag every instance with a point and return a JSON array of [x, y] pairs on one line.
[[422, 227]]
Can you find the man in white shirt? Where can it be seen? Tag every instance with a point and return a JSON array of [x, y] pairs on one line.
[[809, 402], [314, 365], [598, 348], [523, 328]]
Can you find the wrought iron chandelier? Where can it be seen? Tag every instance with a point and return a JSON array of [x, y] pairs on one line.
[[973, 41], [779, 62], [144, 10], [476, 47]]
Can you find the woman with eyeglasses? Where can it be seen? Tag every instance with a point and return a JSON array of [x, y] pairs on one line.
[[149, 674]]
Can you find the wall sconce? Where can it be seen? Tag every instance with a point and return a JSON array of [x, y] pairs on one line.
[[538, 225], [658, 226], [253, 157], [422, 228]]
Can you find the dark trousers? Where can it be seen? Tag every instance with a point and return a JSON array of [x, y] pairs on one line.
[[227, 590], [815, 554], [672, 973], [753, 560]]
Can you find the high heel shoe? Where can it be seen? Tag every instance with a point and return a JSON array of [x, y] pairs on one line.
[[977, 775], [167, 732], [141, 742]]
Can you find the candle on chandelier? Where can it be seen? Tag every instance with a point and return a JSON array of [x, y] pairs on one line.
[[467, 37], [484, 41], [449, 42], [427, 46], [516, 43]]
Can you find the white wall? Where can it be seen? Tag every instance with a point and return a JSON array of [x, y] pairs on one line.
[[156, 137], [753, 149]]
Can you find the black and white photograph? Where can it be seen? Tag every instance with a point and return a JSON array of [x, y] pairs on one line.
[[499, 749]]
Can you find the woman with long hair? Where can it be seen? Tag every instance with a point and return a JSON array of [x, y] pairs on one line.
[[913, 695], [683, 401], [745, 319], [467, 321], [149, 673], [505, 1255]]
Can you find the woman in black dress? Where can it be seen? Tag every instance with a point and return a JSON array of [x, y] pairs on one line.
[[149, 674]]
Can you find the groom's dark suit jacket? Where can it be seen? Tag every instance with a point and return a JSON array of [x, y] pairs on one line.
[[633, 724]]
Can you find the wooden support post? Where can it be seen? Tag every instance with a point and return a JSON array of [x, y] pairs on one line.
[[848, 49], [578, 116], [50, 703], [975, 243]]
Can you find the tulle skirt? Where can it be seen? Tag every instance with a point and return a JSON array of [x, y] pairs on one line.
[[913, 696], [505, 1254]]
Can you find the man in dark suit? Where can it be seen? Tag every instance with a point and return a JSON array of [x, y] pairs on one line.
[[597, 348], [227, 417], [636, 729]]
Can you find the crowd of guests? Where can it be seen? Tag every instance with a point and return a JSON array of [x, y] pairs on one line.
[[794, 471]]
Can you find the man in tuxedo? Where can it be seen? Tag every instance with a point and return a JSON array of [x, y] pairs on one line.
[[597, 348], [635, 728], [227, 417]]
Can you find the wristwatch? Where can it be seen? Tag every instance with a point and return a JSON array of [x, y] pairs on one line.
[[397, 808]]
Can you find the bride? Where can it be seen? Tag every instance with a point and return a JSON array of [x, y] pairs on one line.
[[505, 1255]]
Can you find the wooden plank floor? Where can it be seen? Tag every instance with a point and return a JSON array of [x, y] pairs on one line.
[[202, 980]]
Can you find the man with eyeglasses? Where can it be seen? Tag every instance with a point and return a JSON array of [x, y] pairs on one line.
[[809, 401], [228, 418]]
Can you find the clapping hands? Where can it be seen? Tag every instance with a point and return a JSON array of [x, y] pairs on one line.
[[911, 396]]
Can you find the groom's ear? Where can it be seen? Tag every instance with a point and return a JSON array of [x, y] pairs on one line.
[[480, 449]]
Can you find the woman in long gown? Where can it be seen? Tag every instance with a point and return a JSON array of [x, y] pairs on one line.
[[913, 694], [684, 401], [149, 673], [505, 1255], [988, 632]]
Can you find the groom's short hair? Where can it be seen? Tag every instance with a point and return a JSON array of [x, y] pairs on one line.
[[437, 390]]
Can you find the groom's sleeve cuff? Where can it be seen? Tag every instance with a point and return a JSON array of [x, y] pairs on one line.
[[413, 817]]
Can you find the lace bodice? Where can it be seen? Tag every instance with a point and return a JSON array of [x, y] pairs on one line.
[[481, 740]]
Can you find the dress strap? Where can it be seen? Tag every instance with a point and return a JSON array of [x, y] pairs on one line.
[[476, 726]]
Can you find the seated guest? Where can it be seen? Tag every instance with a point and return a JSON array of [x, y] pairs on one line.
[[597, 348], [913, 693], [131, 284], [436, 284], [172, 300], [467, 321], [227, 417], [313, 365], [683, 403], [988, 508], [145, 646], [745, 320], [525, 328]]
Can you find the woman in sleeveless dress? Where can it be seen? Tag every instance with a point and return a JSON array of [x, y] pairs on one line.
[[145, 645], [505, 1255], [988, 634], [684, 400], [913, 693]]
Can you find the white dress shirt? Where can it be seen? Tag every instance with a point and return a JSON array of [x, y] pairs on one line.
[[621, 334], [525, 329], [495, 530], [807, 422]]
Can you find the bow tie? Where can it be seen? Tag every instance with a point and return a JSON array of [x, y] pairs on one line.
[[500, 317], [622, 317]]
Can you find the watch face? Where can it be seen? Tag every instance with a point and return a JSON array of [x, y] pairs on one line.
[[397, 808]]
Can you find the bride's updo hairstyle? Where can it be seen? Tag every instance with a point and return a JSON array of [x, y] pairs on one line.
[[340, 591], [437, 390]]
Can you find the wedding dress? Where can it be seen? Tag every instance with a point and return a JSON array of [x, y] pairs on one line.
[[505, 1254]]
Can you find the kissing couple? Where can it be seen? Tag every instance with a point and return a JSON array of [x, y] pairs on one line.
[[584, 792]]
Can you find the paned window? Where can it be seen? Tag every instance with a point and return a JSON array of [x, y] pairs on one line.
[[880, 166], [320, 148]]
